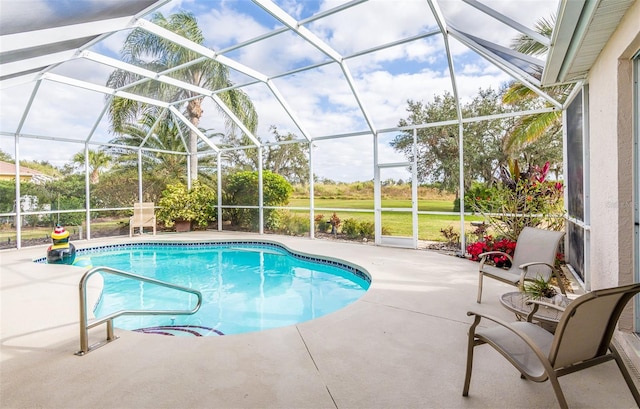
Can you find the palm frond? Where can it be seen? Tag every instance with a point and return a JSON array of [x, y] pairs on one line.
[[530, 128], [517, 93]]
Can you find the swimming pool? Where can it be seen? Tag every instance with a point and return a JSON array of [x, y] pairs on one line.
[[246, 286]]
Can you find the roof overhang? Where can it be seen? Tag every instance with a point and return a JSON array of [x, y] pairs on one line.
[[583, 27]]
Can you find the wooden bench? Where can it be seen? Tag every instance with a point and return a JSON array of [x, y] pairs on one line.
[[143, 216]]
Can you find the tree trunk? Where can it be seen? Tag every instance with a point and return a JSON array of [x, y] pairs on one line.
[[194, 109]]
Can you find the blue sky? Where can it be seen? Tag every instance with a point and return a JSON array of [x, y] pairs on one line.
[[321, 99]]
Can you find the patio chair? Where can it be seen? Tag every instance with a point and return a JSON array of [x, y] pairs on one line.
[[143, 216], [534, 257], [582, 340]]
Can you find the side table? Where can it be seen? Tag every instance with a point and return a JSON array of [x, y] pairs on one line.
[[548, 318]]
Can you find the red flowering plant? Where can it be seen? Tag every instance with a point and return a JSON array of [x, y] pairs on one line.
[[504, 245], [523, 199]]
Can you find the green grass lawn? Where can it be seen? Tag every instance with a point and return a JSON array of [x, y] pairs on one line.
[[395, 223], [45, 232], [367, 204]]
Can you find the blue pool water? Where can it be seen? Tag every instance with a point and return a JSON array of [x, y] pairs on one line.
[[246, 287]]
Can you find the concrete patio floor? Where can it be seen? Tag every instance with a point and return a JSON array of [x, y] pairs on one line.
[[402, 345]]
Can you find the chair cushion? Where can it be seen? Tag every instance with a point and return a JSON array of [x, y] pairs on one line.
[[515, 349]]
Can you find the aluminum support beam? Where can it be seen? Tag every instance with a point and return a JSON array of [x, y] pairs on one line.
[[193, 128], [508, 21], [441, 22]]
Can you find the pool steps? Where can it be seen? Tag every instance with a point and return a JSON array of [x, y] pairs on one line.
[[173, 330]]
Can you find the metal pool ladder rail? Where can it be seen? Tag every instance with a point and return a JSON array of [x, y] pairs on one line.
[[85, 326]]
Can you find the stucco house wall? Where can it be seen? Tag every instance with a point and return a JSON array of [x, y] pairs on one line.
[[611, 159], [611, 155]]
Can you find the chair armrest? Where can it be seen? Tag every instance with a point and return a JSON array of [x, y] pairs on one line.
[[546, 304], [486, 253], [525, 270], [534, 263], [483, 256], [537, 304], [489, 317]]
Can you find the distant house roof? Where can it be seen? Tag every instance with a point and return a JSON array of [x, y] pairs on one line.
[[8, 169]]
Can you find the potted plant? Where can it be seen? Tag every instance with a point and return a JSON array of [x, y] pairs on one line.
[[182, 207], [539, 289]]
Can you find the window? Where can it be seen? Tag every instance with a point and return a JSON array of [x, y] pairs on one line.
[[576, 194]]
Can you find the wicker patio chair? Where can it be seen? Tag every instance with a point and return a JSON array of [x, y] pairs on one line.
[[582, 340], [534, 257]]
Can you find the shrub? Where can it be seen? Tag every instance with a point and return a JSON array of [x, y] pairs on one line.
[[334, 221], [353, 228], [196, 205], [478, 192], [292, 224], [322, 225], [452, 237], [523, 199], [350, 227], [504, 245], [241, 189], [367, 229]]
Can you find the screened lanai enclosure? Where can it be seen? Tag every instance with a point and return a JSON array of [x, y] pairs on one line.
[[122, 98]]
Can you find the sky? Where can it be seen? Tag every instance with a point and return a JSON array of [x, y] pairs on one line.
[[321, 100]]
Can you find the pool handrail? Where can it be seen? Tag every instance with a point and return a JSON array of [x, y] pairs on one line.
[[84, 324]]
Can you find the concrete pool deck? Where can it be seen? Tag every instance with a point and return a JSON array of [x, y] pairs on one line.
[[402, 345]]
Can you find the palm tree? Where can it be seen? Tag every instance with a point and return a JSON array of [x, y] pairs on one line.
[[533, 127], [162, 167], [149, 51], [98, 161]]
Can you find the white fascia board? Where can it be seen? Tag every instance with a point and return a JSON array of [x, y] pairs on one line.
[[39, 38], [191, 126], [235, 119], [104, 90], [271, 8], [41, 61], [569, 13], [508, 21]]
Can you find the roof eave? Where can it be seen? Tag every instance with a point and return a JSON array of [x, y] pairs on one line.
[[562, 38], [581, 27]]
